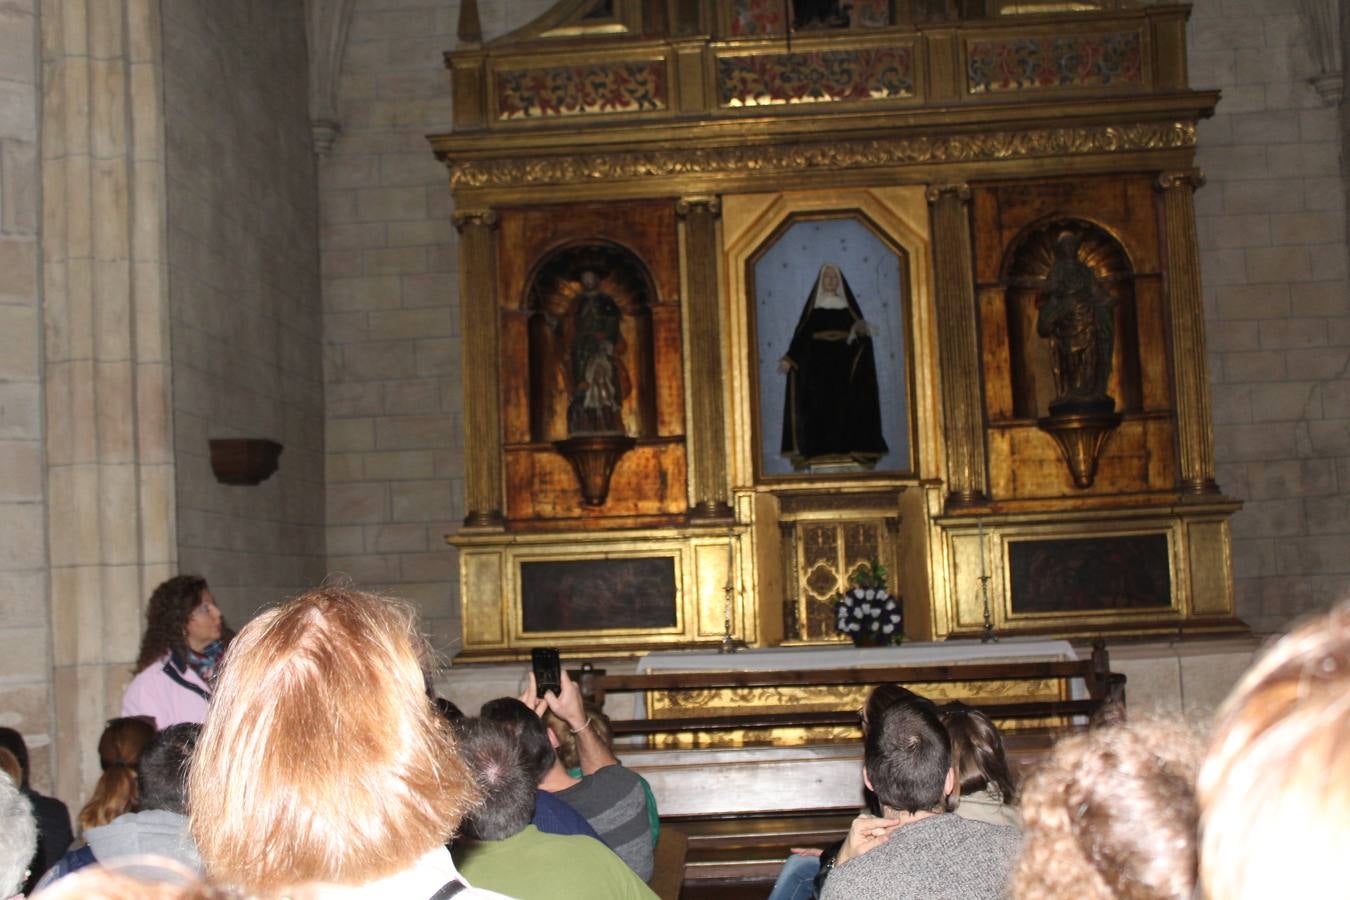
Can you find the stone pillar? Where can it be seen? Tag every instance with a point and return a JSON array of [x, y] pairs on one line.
[[111, 531], [958, 345], [1195, 428], [707, 413], [479, 318]]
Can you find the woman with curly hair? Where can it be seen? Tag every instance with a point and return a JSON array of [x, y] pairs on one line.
[[185, 637], [117, 790]]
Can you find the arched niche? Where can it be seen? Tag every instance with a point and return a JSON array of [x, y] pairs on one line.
[[1026, 264], [589, 304]]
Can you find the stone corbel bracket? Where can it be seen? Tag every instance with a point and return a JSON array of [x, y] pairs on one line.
[[326, 25]]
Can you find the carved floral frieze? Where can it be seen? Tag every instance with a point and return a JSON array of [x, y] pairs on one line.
[[618, 87], [1054, 61], [767, 79]]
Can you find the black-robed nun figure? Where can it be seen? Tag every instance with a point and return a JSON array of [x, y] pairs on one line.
[[832, 409]]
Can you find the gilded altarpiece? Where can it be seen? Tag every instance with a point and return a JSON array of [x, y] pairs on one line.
[[1027, 407]]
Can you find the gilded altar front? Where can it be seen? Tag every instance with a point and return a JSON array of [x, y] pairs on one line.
[[754, 298]]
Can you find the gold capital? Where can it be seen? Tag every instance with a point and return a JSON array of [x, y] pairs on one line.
[[686, 205], [486, 218], [1192, 178], [960, 190]]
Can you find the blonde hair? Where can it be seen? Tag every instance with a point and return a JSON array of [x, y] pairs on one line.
[[119, 751], [322, 758], [1112, 813], [1275, 784]]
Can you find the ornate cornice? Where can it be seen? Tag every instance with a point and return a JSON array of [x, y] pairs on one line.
[[835, 154]]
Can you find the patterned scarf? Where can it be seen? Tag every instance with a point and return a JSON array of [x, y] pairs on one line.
[[206, 662]]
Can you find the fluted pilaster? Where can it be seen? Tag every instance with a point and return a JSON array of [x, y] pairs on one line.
[[707, 413], [1195, 430], [958, 345], [479, 353]]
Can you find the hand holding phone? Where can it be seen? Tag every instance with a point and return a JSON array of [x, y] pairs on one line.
[[547, 670]]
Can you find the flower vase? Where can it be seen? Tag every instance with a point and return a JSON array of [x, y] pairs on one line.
[[870, 639]]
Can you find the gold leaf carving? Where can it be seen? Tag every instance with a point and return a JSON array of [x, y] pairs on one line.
[[833, 154]]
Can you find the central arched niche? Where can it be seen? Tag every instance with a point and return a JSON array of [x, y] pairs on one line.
[[1025, 267], [591, 359]]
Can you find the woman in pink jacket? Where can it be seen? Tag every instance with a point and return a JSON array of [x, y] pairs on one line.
[[185, 637]]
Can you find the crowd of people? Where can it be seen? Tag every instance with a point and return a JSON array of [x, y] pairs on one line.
[[307, 756]]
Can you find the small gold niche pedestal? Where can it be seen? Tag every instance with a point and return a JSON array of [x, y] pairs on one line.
[[1081, 431], [593, 457]]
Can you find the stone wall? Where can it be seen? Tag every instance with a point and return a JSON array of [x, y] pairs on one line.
[[25, 636], [1273, 256], [242, 209], [395, 469]]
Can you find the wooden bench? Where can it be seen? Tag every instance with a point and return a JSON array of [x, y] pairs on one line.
[[741, 808]]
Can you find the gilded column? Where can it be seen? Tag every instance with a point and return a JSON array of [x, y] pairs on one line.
[[958, 344], [707, 413], [1195, 433], [482, 385]]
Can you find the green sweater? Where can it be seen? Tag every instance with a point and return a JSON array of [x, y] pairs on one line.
[[532, 865]]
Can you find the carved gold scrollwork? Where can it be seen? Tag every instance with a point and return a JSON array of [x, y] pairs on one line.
[[833, 154]]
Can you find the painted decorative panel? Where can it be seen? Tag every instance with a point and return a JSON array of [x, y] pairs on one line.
[[618, 87], [1054, 61], [770, 79]]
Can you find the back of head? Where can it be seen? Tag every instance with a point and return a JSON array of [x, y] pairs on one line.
[[907, 754], [977, 752], [491, 753], [1275, 784], [163, 768], [322, 758], [18, 837], [1112, 813], [527, 729], [12, 741], [119, 752]]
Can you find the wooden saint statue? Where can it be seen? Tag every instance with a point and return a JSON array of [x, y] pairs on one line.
[[1078, 315]]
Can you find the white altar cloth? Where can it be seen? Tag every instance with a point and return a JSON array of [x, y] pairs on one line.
[[917, 653]]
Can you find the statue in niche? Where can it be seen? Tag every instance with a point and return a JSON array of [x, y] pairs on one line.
[[832, 407], [1078, 315], [597, 374]]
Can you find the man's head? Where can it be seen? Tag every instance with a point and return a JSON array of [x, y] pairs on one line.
[[162, 771], [527, 730], [489, 749], [907, 759], [322, 746]]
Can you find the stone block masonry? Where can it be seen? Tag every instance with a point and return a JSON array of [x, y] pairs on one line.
[[1273, 238], [393, 408]]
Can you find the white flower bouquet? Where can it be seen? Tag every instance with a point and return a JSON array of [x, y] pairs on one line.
[[867, 613]]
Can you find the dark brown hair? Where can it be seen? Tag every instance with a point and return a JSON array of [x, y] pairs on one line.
[[977, 752], [166, 617]]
